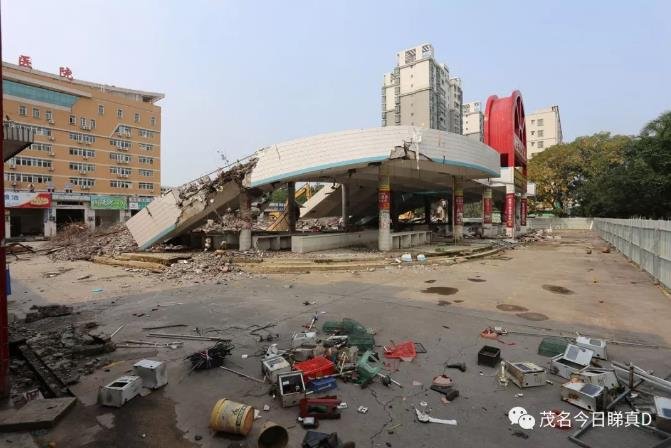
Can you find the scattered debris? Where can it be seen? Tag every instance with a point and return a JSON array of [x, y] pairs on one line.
[[426, 418], [42, 312], [211, 357], [120, 391]]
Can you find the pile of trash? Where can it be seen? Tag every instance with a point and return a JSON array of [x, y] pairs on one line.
[[228, 221], [78, 242], [320, 224]]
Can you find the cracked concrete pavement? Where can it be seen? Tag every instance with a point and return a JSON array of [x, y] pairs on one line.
[[609, 298]]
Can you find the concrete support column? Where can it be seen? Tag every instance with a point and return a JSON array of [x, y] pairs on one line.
[[523, 213], [427, 210], [90, 218], [384, 205], [49, 222], [245, 239], [345, 206], [510, 210], [8, 225], [291, 206], [458, 209], [487, 207]]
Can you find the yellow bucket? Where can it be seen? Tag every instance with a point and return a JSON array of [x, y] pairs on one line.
[[232, 417]]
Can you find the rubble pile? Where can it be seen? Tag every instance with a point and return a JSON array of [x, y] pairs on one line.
[[319, 224], [229, 221], [65, 351], [77, 242], [201, 267], [204, 186]]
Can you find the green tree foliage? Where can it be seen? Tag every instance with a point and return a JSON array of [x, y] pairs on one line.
[[607, 176]]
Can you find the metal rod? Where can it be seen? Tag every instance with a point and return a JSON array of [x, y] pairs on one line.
[[117, 330], [243, 375], [187, 336], [161, 327]]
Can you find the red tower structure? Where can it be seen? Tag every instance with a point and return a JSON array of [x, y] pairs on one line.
[[505, 131]]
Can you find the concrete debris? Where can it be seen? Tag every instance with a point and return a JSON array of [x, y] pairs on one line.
[[78, 242], [42, 312]]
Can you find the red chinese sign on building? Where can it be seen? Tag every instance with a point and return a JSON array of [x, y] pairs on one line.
[[487, 204], [459, 210], [510, 210], [383, 199], [523, 214], [65, 72], [25, 61]]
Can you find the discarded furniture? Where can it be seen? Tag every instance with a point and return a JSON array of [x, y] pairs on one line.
[[154, 374], [525, 374], [574, 358], [120, 391]]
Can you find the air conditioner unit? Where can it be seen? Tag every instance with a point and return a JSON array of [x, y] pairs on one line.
[[125, 176], [51, 122], [88, 143], [52, 154], [12, 167], [51, 138], [51, 168], [83, 173], [86, 157], [13, 184], [85, 187]]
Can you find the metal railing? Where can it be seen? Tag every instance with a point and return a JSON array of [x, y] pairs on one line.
[[646, 242]]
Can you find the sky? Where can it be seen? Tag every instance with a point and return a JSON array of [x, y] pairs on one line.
[[241, 75]]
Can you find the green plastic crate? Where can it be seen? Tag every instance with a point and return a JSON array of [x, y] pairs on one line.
[[553, 346]]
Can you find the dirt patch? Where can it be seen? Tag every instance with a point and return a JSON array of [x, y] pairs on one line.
[[532, 316], [430, 281], [477, 280], [443, 303], [557, 289], [441, 290], [510, 307]]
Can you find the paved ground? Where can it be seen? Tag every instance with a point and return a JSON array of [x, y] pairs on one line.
[[607, 297]]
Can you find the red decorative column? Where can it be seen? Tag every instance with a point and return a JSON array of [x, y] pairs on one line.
[[384, 207], [458, 210], [523, 212], [510, 211]]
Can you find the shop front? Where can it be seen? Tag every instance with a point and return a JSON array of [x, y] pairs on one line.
[[27, 213], [109, 210]]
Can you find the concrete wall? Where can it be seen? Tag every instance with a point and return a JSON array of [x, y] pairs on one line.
[[560, 223], [646, 242], [325, 241]]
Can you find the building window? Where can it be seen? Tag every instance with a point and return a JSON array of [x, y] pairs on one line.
[[533, 132], [124, 172], [121, 158], [82, 122], [23, 110], [121, 144], [42, 147], [136, 118], [146, 186], [93, 123], [119, 113], [120, 184], [147, 160], [86, 153], [540, 144], [73, 119], [540, 122], [153, 121], [146, 146], [36, 112], [540, 133], [145, 133], [83, 182], [49, 116], [82, 167], [533, 121], [101, 109], [146, 173], [124, 131]]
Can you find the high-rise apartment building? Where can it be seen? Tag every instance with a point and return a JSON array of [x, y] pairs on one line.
[[543, 130], [473, 120], [96, 156], [419, 92]]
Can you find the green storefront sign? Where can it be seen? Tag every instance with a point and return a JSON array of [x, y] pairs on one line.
[[109, 203]]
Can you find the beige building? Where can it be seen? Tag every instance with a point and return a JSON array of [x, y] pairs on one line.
[[473, 120], [96, 155], [543, 130], [419, 92]]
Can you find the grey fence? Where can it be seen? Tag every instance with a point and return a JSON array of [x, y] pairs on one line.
[[646, 242]]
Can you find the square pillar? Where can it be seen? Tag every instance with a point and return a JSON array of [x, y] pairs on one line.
[[524, 209], [345, 206], [510, 210], [245, 239], [458, 210], [487, 207], [384, 205], [291, 206]]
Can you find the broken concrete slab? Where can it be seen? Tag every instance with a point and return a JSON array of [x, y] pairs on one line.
[[36, 414], [42, 312]]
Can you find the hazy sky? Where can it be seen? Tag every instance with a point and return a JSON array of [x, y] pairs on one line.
[[241, 75]]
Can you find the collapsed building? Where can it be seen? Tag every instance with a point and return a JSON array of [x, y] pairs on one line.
[[370, 176]]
